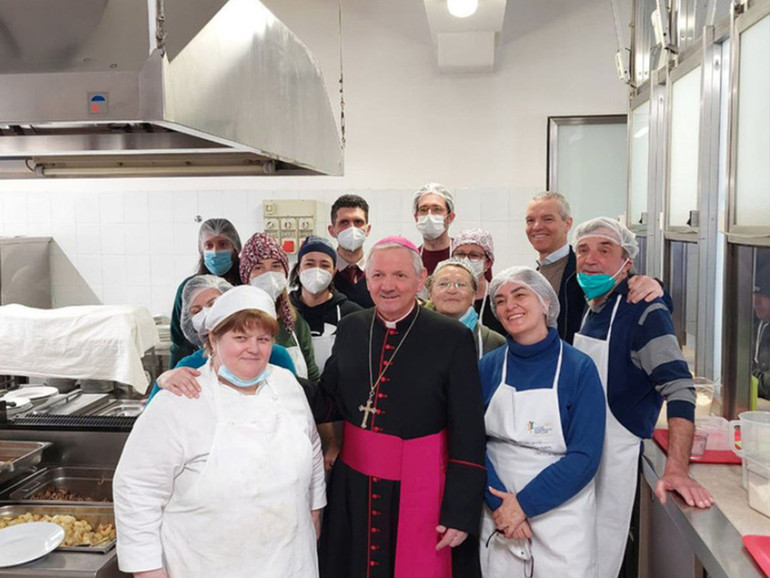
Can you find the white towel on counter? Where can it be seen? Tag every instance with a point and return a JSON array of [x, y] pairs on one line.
[[89, 342]]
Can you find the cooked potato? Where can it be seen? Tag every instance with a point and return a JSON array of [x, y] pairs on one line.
[[76, 532]]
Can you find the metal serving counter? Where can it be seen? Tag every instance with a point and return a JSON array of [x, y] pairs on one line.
[[70, 448], [677, 540]]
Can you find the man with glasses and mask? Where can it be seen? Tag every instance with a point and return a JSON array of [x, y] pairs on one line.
[[350, 226], [434, 209], [476, 247]]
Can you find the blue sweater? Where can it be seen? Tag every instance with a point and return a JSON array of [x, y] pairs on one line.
[[646, 364], [278, 356], [582, 411]]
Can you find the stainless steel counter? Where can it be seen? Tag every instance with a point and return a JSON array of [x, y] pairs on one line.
[[70, 565], [710, 536], [87, 448]]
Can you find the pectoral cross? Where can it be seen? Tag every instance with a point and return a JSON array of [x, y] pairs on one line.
[[367, 409]]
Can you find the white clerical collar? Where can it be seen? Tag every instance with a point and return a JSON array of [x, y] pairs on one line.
[[555, 256], [392, 324], [343, 264]]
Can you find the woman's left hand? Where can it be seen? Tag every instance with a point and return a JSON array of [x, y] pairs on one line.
[[509, 516], [316, 515]]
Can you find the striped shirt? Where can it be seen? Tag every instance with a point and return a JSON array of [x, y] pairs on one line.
[[646, 364]]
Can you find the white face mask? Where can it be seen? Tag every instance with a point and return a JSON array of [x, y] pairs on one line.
[[273, 283], [199, 319], [431, 226], [476, 266], [315, 280], [352, 238]]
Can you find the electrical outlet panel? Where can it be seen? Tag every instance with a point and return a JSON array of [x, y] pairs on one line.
[[289, 222]]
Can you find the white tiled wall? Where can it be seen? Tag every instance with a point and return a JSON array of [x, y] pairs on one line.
[[135, 246], [482, 135]]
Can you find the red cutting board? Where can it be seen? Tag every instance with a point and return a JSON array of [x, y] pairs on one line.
[[759, 548], [709, 456]]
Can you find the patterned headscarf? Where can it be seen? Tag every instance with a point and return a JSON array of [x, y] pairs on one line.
[[259, 247], [475, 237]]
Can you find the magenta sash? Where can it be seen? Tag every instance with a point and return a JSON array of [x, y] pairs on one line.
[[420, 465]]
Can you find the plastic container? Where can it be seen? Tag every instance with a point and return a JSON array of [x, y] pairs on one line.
[[755, 439], [704, 396], [716, 429], [699, 441], [759, 485]]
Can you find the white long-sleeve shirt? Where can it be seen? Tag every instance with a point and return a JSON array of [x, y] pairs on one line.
[[168, 449]]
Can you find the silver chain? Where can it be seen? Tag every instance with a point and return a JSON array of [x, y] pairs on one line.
[[374, 384]]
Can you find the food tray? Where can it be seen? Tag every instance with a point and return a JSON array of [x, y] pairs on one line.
[[86, 482], [94, 515], [16, 457]]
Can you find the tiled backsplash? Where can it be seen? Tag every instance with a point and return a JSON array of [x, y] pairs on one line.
[[135, 246]]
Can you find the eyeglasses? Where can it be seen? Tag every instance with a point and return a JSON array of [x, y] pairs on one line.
[[473, 256], [445, 285], [422, 211]]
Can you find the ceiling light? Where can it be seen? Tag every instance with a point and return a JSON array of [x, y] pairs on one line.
[[462, 8]]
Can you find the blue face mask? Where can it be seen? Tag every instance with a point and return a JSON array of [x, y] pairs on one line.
[[229, 376], [218, 262], [470, 318], [597, 285]]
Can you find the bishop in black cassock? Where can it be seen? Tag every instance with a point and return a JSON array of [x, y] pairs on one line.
[[430, 385]]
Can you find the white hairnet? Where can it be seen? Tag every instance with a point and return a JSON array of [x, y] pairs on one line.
[[610, 230], [453, 262], [241, 298], [434, 189], [218, 228], [191, 290], [535, 282]]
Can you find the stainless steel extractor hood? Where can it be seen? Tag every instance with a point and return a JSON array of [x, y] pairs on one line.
[[159, 88]]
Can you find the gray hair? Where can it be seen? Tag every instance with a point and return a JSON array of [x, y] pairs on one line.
[[416, 258], [564, 209], [452, 262]]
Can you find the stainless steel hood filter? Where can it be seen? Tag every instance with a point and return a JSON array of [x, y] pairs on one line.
[[159, 88]]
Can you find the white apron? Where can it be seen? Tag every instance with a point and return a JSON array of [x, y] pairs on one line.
[[297, 357], [525, 437], [322, 344], [618, 471], [248, 515]]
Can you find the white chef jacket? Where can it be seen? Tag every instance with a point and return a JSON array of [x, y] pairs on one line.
[[167, 452]]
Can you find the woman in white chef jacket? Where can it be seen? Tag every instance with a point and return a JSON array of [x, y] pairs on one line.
[[545, 429], [231, 484]]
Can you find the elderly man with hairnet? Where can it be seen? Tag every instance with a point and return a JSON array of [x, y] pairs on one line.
[[640, 364], [544, 417]]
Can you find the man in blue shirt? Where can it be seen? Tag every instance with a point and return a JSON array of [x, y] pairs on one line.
[[640, 364]]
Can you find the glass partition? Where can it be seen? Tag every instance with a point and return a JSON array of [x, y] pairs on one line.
[[683, 164], [639, 164], [752, 180], [682, 284], [587, 161]]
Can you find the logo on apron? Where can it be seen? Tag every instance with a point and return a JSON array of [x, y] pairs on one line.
[[539, 429]]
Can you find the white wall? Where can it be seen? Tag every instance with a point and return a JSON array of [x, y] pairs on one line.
[[484, 136]]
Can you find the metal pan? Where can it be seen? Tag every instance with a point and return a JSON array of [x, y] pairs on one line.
[[94, 515], [93, 483], [16, 457]]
